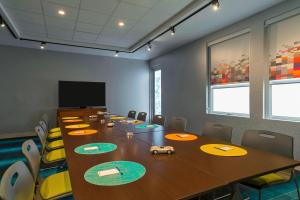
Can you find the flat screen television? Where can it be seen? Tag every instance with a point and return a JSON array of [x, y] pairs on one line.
[[81, 94]]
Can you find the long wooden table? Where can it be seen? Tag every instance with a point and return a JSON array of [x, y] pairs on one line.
[[186, 174]]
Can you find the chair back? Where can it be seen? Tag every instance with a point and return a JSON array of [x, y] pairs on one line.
[[158, 119], [42, 136], [45, 118], [178, 123], [218, 131], [32, 154], [269, 141], [131, 114], [17, 183], [142, 116], [43, 124]]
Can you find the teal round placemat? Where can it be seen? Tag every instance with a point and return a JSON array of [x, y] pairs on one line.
[[128, 172], [147, 126], [95, 148]]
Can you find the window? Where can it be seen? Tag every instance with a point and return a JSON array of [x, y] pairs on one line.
[[157, 92], [284, 69], [229, 76]]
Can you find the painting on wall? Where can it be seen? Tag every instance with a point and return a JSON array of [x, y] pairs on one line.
[[229, 61], [284, 49]]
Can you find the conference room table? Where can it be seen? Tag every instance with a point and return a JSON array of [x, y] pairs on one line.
[[187, 173]]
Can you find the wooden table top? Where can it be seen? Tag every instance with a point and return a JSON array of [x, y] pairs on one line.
[[186, 174]]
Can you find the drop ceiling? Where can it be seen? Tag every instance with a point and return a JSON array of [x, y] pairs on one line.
[[94, 23]]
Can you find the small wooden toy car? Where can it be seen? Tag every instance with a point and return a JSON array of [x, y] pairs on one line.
[[162, 149], [111, 124]]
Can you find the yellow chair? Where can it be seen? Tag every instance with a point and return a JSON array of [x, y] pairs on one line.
[[54, 186], [53, 133], [50, 156]]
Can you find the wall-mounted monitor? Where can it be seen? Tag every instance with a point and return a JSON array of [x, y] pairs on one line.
[[81, 94]]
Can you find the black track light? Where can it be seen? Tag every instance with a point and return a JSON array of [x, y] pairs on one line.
[[2, 23], [117, 54], [149, 46], [173, 31], [215, 4], [43, 45]]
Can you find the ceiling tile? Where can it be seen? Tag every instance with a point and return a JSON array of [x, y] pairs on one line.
[[32, 28], [29, 17], [170, 7], [51, 9], [85, 37], [61, 32], [113, 33], [88, 28], [108, 40], [25, 5], [93, 17], [71, 3], [32, 35], [56, 22], [102, 6], [144, 3], [130, 11], [60, 37]]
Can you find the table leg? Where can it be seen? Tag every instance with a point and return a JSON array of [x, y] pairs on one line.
[[237, 195]]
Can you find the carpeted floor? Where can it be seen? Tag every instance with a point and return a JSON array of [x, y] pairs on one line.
[[10, 152]]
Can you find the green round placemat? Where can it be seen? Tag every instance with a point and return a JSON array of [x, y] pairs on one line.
[[95, 148], [147, 126], [129, 172]]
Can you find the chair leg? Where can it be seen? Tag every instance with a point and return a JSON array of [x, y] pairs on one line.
[[296, 184], [259, 194]]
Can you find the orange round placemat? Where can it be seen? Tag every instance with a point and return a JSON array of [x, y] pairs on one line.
[[181, 137], [72, 120], [78, 126], [70, 117], [83, 132]]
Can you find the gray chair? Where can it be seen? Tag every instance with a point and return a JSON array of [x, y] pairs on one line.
[[32, 154], [178, 124], [17, 183], [276, 143], [142, 116], [158, 119], [131, 114], [218, 131]]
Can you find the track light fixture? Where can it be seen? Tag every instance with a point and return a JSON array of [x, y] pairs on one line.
[[149, 46], [43, 45], [215, 4], [2, 24], [173, 31]]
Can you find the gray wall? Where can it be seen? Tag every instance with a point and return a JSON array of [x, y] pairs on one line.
[[29, 84], [184, 81]]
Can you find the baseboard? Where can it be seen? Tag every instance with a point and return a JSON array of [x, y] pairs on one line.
[[17, 135]]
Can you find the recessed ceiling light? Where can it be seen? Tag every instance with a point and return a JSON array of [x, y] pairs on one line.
[[61, 12], [121, 24]]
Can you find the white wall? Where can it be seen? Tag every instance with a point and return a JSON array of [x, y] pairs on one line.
[[184, 81], [29, 84]]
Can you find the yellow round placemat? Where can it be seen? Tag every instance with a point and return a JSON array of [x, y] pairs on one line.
[[70, 117], [83, 132], [72, 120], [78, 126], [223, 150], [117, 118], [181, 137]]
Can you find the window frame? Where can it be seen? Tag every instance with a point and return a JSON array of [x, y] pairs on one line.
[[153, 90], [269, 101], [210, 109], [209, 93], [267, 112]]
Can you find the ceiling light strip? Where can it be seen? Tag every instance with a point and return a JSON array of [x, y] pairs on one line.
[[114, 50]]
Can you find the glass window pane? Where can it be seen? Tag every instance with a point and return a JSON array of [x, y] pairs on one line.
[[231, 100], [285, 100], [157, 92]]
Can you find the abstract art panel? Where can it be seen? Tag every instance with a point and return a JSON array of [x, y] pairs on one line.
[[284, 49], [229, 61]]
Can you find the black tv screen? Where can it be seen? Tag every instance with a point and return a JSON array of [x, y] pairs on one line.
[[81, 94]]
